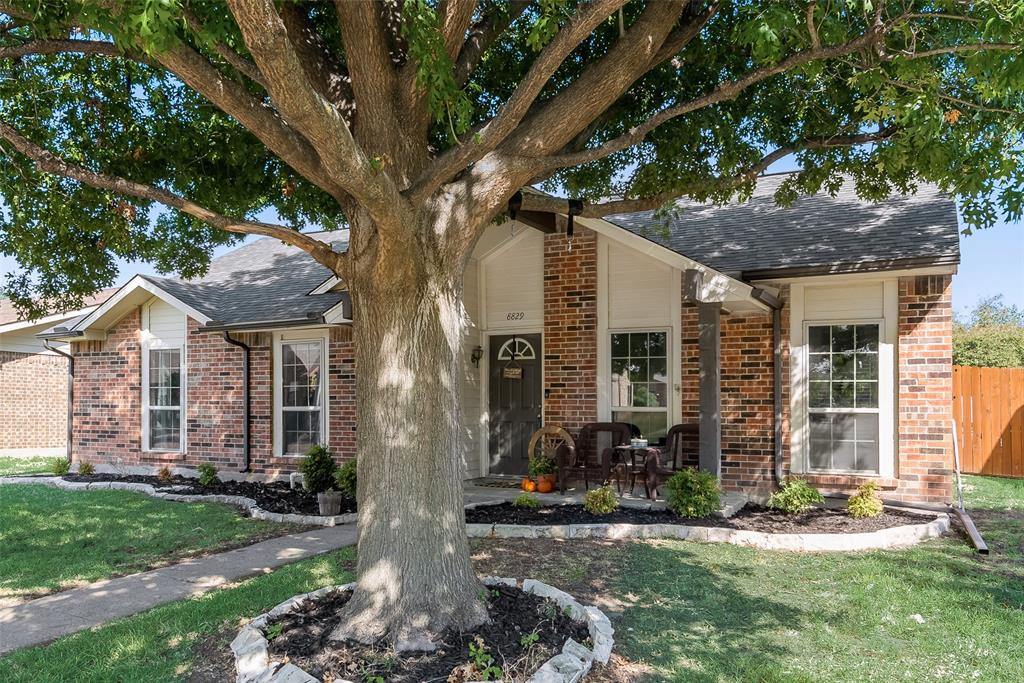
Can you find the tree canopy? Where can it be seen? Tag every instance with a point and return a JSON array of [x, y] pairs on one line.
[[990, 336], [160, 130]]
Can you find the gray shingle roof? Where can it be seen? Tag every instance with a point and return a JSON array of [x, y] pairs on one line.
[[263, 281], [757, 239]]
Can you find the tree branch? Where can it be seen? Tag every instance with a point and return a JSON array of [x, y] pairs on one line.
[[723, 92], [371, 69], [325, 72], [586, 19], [51, 47], [684, 34], [305, 109], [534, 202], [240, 63], [50, 163], [953, 49], [484, 33], [456, 16]]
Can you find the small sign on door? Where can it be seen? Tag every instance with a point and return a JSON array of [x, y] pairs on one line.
[[512, 373]]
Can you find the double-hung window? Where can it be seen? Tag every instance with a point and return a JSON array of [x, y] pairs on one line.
[[164, 404], [843, 397], [640, 381], [300, 394]]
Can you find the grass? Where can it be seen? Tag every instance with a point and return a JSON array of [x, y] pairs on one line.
[[162, 644], [993, 493], [52, 539], [28, 465], [682, 611]]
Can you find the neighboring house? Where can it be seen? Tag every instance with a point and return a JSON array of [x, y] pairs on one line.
[[650, 321], [34, 382]]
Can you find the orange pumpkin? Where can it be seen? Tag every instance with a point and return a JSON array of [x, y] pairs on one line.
[[545, 485], [528, 485]]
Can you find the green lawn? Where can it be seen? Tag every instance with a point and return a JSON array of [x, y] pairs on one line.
[[682, 611], [162, 644], [30, 465], [993, 493], [51, 539]]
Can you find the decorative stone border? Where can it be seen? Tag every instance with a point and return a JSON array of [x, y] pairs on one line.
[[247, 504], [895, 537], [253, 663]]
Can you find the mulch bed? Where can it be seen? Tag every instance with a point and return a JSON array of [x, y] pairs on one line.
[[514, 614], [274, 496], [751, 517]]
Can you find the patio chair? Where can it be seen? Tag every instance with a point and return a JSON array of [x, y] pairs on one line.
[[680, 451], [586, 460]]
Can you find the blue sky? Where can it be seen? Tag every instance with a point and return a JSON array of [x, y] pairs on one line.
[[992, 262]]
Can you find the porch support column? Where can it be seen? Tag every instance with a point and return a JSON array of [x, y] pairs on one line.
[[709, 339]]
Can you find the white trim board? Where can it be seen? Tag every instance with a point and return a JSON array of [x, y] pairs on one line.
[[110, 312], [323, 336], [888, 427]]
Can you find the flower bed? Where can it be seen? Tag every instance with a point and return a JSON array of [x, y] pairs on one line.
[[277, 495], [816, 529], [536, 632]]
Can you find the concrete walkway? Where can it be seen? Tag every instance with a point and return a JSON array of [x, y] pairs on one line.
[[51, 617]]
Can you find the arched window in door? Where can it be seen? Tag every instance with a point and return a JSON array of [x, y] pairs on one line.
[[517, 348]]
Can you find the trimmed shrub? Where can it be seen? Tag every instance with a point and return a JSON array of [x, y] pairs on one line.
[[207, 474], [318, 469], [345, 478], [692, 493], [86, 467], [60, 467], [525, 500], [164, 473], [795, 496], [865, 503], [600, 501]]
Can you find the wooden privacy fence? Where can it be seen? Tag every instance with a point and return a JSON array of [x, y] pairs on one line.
[[988, 406]]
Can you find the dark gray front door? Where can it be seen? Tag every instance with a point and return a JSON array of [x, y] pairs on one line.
[[515, 400]]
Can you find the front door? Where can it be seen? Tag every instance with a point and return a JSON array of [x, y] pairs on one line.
[[515, 400]]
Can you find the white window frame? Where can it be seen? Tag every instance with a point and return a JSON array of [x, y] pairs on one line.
[[808, 324], [150, 343], [300, 336], [887, 369], [670, 409]]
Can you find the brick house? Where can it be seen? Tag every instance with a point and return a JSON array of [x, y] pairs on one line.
[[814, 339], [34, 382]]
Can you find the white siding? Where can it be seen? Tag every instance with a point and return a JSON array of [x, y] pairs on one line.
[[163, 325], [471, 374], [639, 289], [843, 302], [514, 283], [25, 342]]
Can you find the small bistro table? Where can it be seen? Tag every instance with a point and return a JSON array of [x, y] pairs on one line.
[[632, 461]]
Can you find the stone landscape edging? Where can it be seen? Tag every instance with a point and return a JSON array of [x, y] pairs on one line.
[[248, 504], [252, 650], [893, 537]]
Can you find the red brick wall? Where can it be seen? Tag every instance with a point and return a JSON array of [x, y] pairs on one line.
[[107, 412], [33, 400], [925, 389], [570, 329], [748, 403], [108, 400]]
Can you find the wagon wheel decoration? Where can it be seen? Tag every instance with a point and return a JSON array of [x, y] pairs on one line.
[[546, 441]]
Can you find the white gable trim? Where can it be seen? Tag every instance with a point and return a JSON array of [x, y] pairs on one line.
[[717, 286], [137, 284], [326, 286], [47, 320]]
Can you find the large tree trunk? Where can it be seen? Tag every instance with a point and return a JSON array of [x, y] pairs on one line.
[[414, 577]]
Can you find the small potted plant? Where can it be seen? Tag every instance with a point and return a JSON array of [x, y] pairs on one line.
[[542, 469], [318, 471]]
